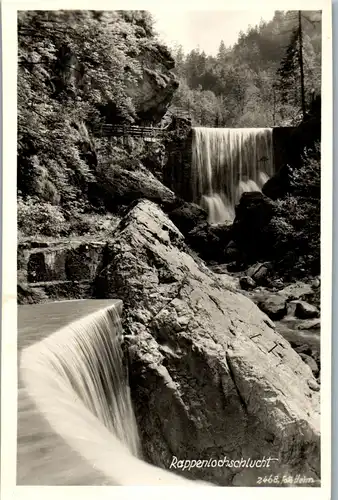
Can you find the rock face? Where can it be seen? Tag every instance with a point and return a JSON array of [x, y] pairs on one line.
[[119, 187], [209, 375], [154, 91]]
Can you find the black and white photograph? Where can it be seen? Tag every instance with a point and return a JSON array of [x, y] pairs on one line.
[[169, 228]]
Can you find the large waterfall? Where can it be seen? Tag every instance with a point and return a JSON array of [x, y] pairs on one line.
[[227, 162], [76, 423]]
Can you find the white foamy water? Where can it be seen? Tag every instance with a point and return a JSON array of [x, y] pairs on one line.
[[227, 162], [76, 423], [218, 208]]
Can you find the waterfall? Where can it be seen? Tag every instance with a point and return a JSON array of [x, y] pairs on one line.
[[76, 422], [227, 162]]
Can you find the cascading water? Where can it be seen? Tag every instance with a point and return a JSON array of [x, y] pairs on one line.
[[227, 162], [76, 422]]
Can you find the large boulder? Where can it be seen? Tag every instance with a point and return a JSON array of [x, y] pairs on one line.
[[274, 306], [210, 241], [305, 310], [187, 216], [279, 184], [252, 215], [119, 187], [153, 92], [209, 375]]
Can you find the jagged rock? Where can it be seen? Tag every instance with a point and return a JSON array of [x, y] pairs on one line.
[[153, 92], [310, 362], [247, 283], [274, 306], [28, 295], [259, 272], [277, 284], [305, 310], [209, 375], [117, 186]]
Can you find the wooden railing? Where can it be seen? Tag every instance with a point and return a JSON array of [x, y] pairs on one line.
[[109, 130], [113, 130]]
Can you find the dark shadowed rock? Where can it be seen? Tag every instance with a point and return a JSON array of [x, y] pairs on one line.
[[231, 252], [253, 214], [279, 184], [210, 241], [187, 216], [208, 373]]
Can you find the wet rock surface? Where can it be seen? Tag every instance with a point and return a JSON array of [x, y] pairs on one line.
[[209, 374]]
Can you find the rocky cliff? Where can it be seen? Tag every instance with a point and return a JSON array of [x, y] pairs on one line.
[[210, 376]]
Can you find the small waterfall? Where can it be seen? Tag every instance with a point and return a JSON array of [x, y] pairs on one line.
[[227, 162], [76, 421]]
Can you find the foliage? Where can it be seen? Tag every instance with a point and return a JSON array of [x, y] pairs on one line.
[[255, 83], [92, 224], [300, 210], [36, 217], [72, 65]]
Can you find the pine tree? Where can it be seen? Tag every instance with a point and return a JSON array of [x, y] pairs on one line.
[[222, 51], [299, 72]]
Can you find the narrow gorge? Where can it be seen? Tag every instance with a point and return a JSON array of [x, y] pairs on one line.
[[168, 261]]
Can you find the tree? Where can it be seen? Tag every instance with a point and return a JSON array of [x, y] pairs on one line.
[[71, 64], [222, 52], [298, 72]]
